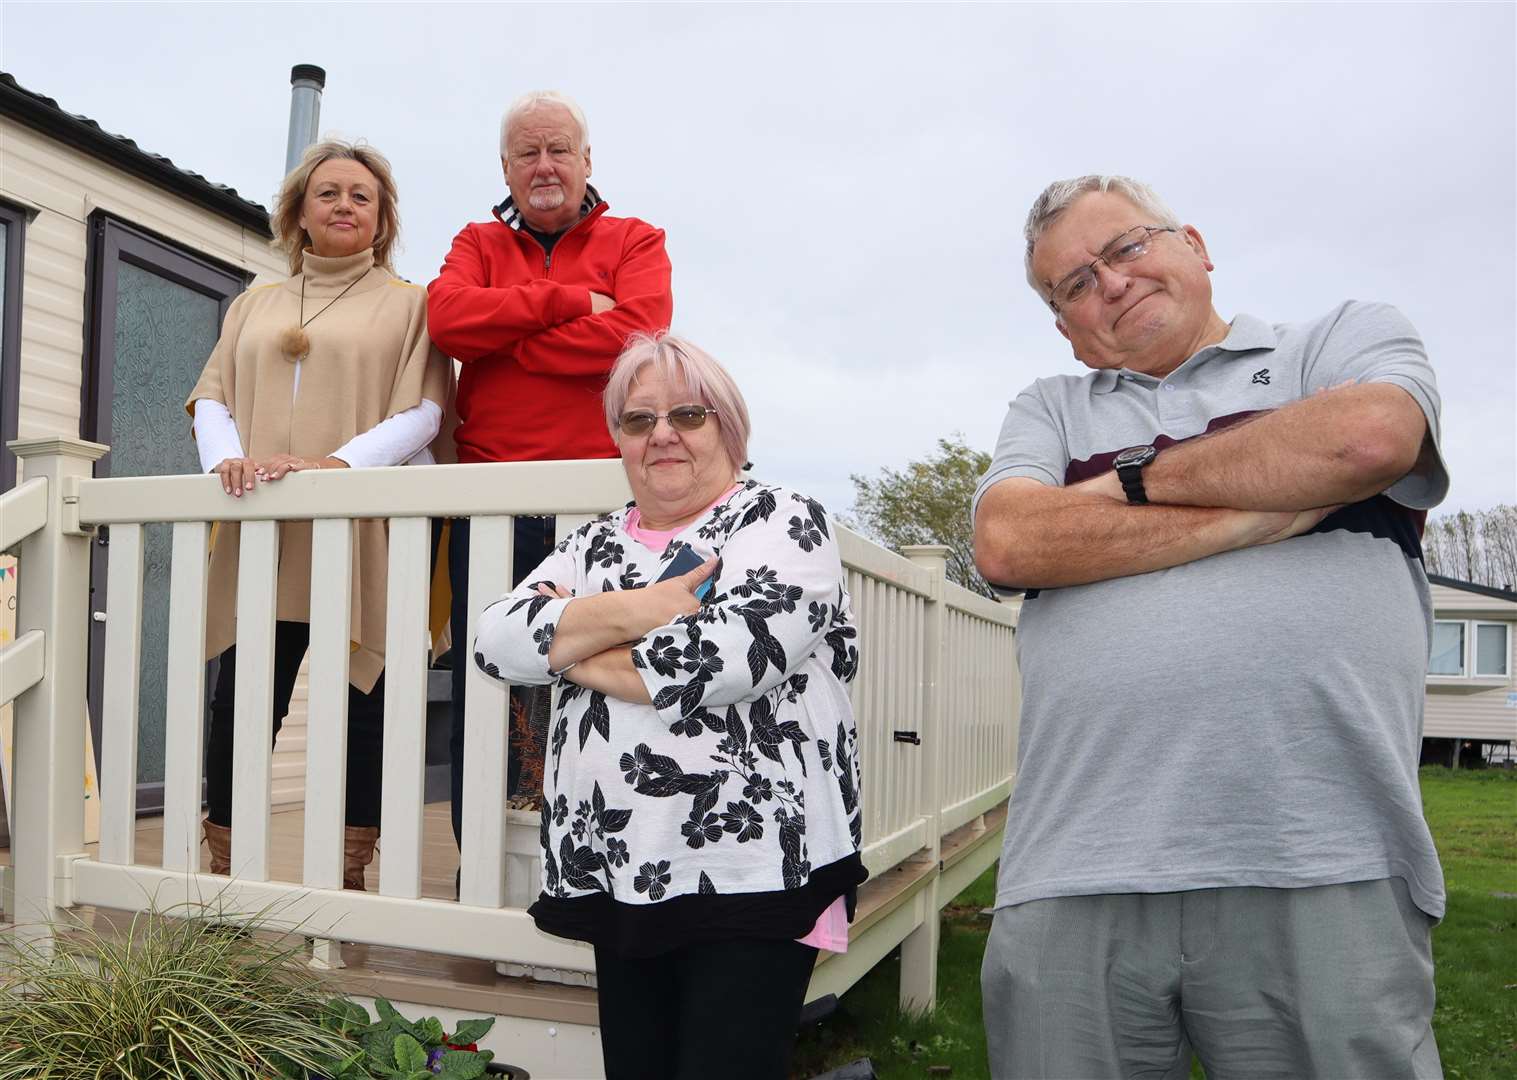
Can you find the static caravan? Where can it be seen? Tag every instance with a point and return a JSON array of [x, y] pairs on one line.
[[1471, 686], [118, 266]]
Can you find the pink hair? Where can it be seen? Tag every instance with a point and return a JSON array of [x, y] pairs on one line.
[[681, 362]]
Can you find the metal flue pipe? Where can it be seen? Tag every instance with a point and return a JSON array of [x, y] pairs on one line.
[[306, 83]]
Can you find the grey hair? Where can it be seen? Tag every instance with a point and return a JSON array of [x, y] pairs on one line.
[[1058, 196], [534, 98]]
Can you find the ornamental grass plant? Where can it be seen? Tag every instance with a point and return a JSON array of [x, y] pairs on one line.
[[177, 996]]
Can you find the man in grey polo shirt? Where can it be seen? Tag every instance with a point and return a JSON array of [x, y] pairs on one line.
[[1216, 840]]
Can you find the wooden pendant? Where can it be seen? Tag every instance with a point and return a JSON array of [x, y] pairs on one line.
[[294, 343]]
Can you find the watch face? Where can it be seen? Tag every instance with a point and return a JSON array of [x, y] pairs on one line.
[[1135, 455]]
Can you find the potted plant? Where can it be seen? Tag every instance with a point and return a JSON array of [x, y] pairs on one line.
[[394, 1048]]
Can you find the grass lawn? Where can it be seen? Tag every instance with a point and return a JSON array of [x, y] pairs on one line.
[[1473, 816]]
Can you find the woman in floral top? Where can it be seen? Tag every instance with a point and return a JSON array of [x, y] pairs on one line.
[[701, 818]]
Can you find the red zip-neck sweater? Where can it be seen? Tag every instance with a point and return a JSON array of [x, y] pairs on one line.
[[535, 359]]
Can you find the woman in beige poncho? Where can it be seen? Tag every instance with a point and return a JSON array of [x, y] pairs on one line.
[[330, 369]]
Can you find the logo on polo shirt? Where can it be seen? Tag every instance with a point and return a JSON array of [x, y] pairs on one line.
[[1261, 376]]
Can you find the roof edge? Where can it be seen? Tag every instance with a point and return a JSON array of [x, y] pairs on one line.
[[1470, 586], [44, 115]]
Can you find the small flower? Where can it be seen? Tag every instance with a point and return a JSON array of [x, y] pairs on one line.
[[651, 879], [757, 789], [543, 635], [663, 656], [699, 831], [635, 766], [616, 852], [689, 726], [702, 658], [757, 580], [805, 534], [818, 613], [744, 821], [785, 598], [560, 810]]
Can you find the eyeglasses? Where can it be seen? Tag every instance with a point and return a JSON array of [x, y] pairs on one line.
[[1129, 247], [681, 418]]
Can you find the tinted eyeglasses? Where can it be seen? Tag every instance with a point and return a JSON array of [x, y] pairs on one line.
[[681, 418], [1129, 247]]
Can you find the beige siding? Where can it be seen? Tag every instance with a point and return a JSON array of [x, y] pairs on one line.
[[1469, 605], [1473, 708], [62, 187]]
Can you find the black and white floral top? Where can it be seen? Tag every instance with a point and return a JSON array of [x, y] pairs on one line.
[[742, 777]]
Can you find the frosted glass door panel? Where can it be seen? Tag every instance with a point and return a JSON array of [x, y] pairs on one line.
[[163, 334]]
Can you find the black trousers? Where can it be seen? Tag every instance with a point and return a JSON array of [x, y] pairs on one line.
[[366, 719], [531, 542], [724, 1009]]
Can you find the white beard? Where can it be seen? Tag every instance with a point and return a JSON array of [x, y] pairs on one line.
[[546, 198]]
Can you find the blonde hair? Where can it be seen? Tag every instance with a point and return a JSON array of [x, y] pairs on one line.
[[679, 361], [290, 238]]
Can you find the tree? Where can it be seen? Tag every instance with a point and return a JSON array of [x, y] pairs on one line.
[[1479, 547], [927, 502]]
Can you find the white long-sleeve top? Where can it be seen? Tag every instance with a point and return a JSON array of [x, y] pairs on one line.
[[404, 437]]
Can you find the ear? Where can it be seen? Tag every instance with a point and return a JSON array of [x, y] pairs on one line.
[[1059, 325], [1198, 245], [505, 170], [587, 163]]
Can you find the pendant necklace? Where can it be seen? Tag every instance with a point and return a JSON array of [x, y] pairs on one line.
[[295, 342]]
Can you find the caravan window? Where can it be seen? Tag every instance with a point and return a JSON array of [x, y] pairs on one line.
[[1491, 648], [1448, 649]]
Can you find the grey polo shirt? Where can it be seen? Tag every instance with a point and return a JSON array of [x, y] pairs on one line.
[[1251, 718]]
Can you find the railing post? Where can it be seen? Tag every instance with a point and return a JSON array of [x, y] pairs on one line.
[[919, 951], [53, 576]]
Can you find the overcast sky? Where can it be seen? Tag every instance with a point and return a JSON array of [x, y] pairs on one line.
[[844, 186]]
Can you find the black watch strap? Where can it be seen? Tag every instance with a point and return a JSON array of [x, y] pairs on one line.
[[1132, 484], [1129, 466]]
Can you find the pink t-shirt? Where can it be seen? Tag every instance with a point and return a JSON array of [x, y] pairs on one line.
[[831, 929]]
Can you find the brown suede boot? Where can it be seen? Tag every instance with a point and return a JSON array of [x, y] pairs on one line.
[[358, 851], [219, 839]]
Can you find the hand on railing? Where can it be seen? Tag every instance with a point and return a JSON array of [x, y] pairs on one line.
[[282, 464], [239, 474], [236, 475]]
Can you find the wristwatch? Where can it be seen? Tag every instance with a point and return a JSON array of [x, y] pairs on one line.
[[1129, 465]]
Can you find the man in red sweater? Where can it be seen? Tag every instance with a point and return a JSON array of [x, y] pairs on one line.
[[536, 305]]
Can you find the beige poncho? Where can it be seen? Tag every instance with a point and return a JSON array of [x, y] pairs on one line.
[[370, 358]]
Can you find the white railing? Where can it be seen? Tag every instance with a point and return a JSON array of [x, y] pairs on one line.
[[936, 701]]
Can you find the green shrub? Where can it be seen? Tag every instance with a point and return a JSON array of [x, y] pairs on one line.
[[177, 997]]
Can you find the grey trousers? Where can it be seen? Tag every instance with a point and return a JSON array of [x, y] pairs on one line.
[[1330, 982]]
